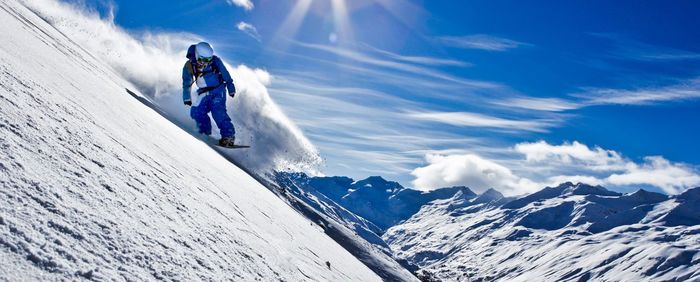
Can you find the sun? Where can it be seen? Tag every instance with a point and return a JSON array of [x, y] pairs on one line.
[[341, 11]]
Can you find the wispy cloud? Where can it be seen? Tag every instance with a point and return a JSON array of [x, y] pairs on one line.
[[588, 97], [245, 4], [480, 42], [631, 49], [429, 61], [397, 65], [686, 90], [249, 29], [538, 104], [480, 120], [670, 55]]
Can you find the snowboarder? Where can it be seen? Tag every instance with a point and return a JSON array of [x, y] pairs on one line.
[[213, 80]]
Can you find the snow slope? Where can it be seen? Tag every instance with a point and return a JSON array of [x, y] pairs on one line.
[[294, 183], [573, 232], [96, 185]]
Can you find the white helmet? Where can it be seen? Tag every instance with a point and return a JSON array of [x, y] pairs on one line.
[[204, 50]]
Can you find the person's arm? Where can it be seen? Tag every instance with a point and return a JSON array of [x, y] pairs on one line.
[[226, 75], [186, 84]]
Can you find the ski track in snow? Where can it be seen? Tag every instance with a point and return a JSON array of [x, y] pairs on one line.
[[97, 186]]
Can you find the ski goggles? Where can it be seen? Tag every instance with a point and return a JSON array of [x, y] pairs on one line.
[[205, 59]]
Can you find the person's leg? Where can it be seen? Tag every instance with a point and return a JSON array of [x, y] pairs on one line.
[[200, 115], [218, 112]]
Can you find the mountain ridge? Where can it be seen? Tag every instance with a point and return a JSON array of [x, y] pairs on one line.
[[442, 236]]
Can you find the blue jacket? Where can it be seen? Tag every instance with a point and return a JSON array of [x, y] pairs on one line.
[[209, 78]]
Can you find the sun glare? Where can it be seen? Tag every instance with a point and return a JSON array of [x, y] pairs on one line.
[[291, 24], [343, 30], [340, 13]]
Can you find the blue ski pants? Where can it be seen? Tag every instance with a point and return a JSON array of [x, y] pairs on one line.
[[215, 102]]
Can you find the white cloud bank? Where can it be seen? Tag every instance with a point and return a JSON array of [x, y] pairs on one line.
[[472, 171], [610, 167], [575, 153], [575, 162], [673, 178], [153, 63]]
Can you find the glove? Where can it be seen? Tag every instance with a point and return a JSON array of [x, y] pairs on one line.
[[189, 103], [232, 94]]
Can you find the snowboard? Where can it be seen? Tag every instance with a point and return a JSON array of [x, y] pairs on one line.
[[232, 147]]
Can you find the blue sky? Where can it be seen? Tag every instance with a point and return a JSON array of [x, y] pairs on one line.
[[508, 94]]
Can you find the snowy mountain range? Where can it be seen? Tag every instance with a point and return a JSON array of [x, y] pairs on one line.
[[383, 203], [568, 232]]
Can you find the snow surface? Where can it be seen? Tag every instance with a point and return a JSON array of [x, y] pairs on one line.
[[570, 232], [95, 185]]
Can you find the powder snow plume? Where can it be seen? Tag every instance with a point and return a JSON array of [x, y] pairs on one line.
[[152, 62]]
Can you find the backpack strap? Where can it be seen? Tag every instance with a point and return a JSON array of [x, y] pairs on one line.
[[191, 60], [192, 70], [215, 68]]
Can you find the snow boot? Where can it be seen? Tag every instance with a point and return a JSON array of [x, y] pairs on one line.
[[227, 141]]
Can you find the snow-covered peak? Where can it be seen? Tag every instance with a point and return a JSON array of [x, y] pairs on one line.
[[460, 192], [461, 195], [377, 184], [490, 195], [561, 190], [687, 209], [546, 193], [690, 195], [644, 196], [585, 189]]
